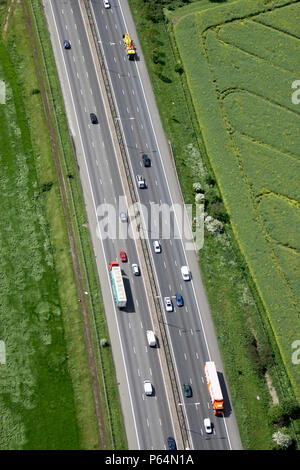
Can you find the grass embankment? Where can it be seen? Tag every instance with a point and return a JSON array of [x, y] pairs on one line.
[[46, 399], [37, 402], [246, 341]]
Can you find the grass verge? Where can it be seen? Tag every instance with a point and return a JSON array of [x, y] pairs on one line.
[[37, 404]]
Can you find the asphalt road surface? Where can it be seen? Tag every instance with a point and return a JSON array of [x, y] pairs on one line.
[[148, 420]]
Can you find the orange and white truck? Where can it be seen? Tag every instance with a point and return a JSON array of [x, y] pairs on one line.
[[130, 49], [214, 387]]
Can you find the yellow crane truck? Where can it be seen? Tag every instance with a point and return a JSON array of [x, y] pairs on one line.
[[130, 49]]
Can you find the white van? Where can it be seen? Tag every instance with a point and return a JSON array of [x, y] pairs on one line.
[[148, 387], [151, 338], [185, 272]]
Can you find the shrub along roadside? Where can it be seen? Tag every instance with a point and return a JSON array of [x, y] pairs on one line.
[[246, 343]]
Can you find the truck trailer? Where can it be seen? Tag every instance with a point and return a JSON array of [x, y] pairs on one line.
[[214, 387], [117, 284]]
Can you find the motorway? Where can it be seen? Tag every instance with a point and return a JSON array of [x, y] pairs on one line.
[[150, 418]]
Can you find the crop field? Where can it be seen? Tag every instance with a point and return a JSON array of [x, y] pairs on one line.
[[240, 60]]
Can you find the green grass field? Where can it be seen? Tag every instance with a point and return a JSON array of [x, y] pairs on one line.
[[46, 399], [36, 397], [240, 62]]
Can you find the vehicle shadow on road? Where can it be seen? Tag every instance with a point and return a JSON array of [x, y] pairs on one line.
[[130, 308], [227, 405]]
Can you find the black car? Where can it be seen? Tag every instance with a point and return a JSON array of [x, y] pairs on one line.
[[146, 160], [67, 45], [171, 443], [187, 390], [93, 118]]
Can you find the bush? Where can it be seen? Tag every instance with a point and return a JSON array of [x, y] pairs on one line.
[[210, 180], [212, 196], [290, 408], [252, 350], [179, 69], [266, 355], [283, 440], [282, 413], [155, 56], [275, 414], [217, 211], [46, 187]]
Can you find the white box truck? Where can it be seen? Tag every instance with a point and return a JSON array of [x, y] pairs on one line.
[[185, 272], [214, 387], [148, 387], [151, 338], [117, 284]]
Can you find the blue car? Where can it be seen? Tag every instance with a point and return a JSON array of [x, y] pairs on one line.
[[171, 443], [179, 300], [67, 45]]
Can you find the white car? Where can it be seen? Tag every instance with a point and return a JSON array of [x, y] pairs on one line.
[[168, 304], [148, 389], [106, 4], [140, 181], [123, 217], [156, 246], [135, 269], [185, 272], [207, 426]]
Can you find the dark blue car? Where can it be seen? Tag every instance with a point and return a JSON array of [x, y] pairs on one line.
[[171, 443], [179, 300], [67, 45]]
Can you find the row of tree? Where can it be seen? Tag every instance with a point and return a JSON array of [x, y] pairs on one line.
[[154, 8]]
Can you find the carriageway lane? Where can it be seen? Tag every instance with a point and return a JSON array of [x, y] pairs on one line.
[[140, 139], [150, 413]]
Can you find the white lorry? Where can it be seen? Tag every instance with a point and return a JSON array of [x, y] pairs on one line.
[[151, 338], [117, 284], [185, 272], [148, 389]]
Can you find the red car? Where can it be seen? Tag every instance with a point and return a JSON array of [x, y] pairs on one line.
[[123, 256]]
